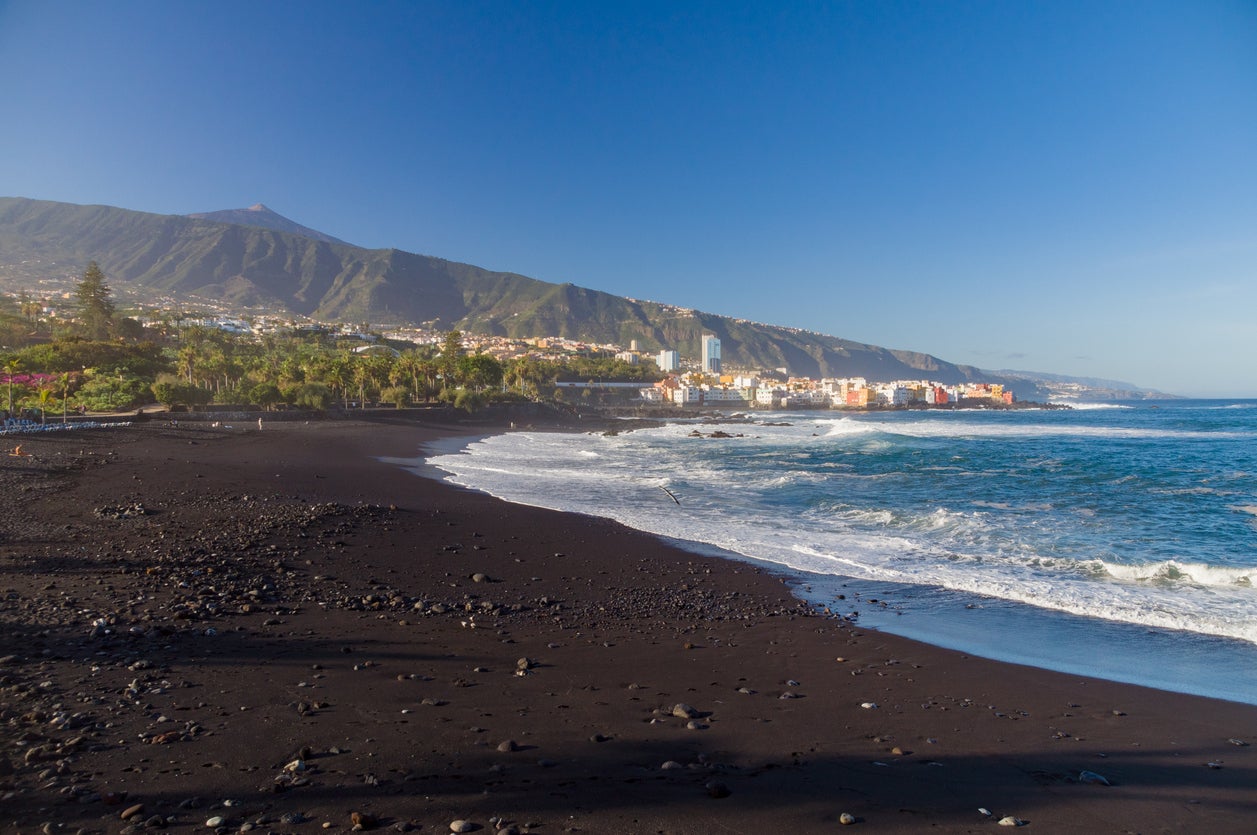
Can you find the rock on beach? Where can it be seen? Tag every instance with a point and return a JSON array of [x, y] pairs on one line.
[[286, 630]]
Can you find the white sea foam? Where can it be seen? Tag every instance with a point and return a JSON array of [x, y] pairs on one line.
[[1081, 406], [1173, 572], [973, 547]]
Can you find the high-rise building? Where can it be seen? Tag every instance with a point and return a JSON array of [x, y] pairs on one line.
[[711, 354], [668, 360]]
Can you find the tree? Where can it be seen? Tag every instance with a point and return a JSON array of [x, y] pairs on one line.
[[130, 329], [315, 396], [95, 307], [29, 308], [397, 395], [46, 393], [451, 355], [11, 368], [166, 392], [480, 371], [266, 395]]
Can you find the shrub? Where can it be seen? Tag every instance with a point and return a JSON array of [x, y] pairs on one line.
[[314, 396]]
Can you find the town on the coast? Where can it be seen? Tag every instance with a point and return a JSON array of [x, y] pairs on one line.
[[710, 386], [74, 350]]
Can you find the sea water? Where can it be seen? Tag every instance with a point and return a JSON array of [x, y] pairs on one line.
[[1118, 541]]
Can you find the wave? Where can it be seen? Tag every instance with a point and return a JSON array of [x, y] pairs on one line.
[[847, 426], [936, 429], [1174, 572], [809, 429], [811, 505]]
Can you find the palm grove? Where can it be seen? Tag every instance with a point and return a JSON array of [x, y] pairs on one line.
[[98, 360]]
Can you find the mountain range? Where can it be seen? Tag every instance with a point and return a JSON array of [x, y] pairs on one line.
[[256, 258]]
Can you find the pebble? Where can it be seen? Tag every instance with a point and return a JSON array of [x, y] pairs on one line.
[[717, 789], [131, 811], [1092, 777], [463, 826], [683, 711], [508, 746], [215, 822], [846, 819], [1009, 820], [869, 705]]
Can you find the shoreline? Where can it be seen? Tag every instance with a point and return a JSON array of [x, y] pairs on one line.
[[893, 600], [208, 609], [1162, 657]]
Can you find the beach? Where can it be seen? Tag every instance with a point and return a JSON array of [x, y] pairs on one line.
[[279, 630]]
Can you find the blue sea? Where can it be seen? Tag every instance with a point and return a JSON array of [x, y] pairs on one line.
[[1117, 541]]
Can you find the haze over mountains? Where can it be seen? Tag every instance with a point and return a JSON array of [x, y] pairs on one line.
[[257, 258]]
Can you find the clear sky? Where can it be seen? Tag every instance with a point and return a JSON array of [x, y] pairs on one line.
[[1052, 186]]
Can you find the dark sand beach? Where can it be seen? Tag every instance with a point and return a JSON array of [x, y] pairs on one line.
[[274, 631]]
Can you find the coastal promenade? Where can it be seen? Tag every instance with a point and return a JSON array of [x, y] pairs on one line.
[[280, 630]]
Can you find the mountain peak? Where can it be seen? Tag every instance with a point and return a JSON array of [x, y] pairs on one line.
[[262, 216]]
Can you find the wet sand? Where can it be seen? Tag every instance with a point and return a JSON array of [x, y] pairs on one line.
[[276, 629]]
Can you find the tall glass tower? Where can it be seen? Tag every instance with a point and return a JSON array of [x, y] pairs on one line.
[[711, 354]]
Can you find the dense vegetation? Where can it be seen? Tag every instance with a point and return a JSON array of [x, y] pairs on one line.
[[100, 361]]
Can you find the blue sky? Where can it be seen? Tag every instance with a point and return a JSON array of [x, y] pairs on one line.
[[1064, 187]]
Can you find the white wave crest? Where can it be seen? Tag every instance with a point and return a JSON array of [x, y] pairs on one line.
[[1173, 572], [720, 503], [847, 427]]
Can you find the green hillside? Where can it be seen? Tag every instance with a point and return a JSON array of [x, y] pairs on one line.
[[252, 266]]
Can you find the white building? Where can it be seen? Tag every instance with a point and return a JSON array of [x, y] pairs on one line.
[[716, 394], [668, 360], [769, 396], [806, 399], [687, 394]]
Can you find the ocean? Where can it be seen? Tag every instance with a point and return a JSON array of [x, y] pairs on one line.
[[1114, 541]]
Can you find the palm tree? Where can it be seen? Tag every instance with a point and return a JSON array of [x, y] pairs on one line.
[[11, 368], [45, 397]]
